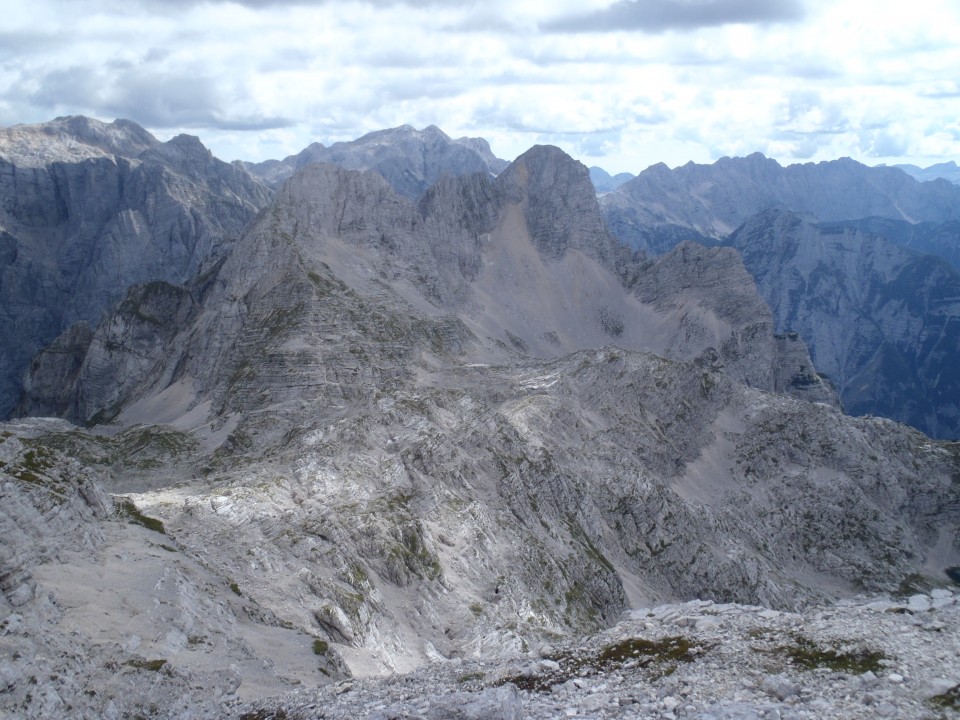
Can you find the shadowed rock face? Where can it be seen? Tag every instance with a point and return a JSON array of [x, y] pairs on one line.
[[89, 209], [882, 322], [409, 160], [661, 207]]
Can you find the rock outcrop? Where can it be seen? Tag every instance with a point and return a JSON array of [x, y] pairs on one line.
[[89, 209]]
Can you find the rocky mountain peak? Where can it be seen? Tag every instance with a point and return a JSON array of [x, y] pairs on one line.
[[90, 208], [70, 139], [559, 204], [480, 146], [411, 160]]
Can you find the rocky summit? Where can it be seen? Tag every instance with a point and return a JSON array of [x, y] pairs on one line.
[[410, 160], [467, 456]]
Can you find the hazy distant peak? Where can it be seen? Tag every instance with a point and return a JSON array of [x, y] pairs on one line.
[[482, 148], [411, 160], [945, 170], [605, 182]]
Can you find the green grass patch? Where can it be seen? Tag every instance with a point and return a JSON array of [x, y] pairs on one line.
[[950, 699], [320, 647], [807, 655], [264, 714], [661, 656], [127, 509], [151, 665], [473, 677]]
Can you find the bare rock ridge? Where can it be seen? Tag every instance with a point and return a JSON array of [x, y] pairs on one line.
[[89, 209], [410, 160]]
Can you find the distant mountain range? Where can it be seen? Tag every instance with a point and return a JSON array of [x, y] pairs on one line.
[[947, 171], [708, 202], [604, 182]]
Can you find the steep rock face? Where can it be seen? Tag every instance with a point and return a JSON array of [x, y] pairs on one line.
[[880, 321], [410, 160], [560, 212], [51, 379], [715, 283], [89, 209], [931, 238], [661, 206]]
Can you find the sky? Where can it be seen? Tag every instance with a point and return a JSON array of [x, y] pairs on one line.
[[621, 84]]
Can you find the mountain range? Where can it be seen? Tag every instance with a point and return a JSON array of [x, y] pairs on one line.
[[847, 289], [372, 431], [947, 171]]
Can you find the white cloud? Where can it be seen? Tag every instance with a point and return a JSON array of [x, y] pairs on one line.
[[665, 80]]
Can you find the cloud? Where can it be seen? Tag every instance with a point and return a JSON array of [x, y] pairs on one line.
[[656, 16], [163, 5], [158, 100], [884, 143]]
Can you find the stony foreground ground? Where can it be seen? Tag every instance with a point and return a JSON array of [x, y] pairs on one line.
[[858, 659]]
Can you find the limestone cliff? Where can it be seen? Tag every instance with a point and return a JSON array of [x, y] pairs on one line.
[[880, 321], [88, 209]]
